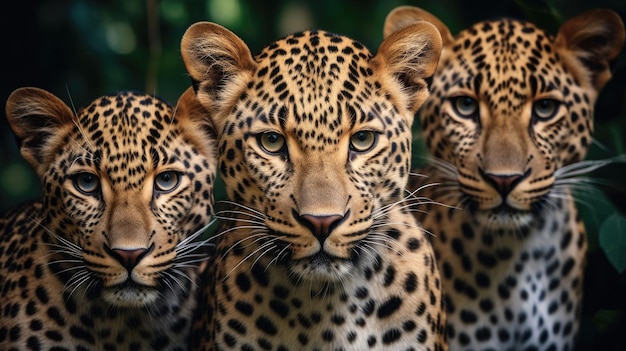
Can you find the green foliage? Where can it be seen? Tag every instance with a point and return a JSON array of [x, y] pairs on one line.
[[613, 240]]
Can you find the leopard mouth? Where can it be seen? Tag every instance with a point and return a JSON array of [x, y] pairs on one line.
[[505, 217]]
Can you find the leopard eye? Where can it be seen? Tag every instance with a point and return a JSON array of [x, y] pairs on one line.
[[363, 140], [271, 142], [87, 183], [465, 106], [545, 108], [166, 181]]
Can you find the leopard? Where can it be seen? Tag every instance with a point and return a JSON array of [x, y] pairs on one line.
[[506, 128], [318, 249], [108, 257]]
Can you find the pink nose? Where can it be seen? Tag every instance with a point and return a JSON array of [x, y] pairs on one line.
[[321, 226], [128, 258], [504, 184]]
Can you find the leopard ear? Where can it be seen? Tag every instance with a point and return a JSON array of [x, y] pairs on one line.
[[592, 39], [409, 57], [36, 117], [402, 16], [199, 126], [219, 63]]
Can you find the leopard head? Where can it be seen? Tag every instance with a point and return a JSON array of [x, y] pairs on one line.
[[314, 134], [511, 105], [127, 188]]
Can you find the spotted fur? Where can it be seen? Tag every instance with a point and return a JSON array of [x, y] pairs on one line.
[[508, 124], [319, 250], [107, 259]]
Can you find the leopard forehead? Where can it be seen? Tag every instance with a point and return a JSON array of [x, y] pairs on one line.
[[505, 62], [315, 81], [127, 135]]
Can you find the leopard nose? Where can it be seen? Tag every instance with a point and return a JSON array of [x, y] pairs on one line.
[[503, 183], [321, 226], [129, 258]]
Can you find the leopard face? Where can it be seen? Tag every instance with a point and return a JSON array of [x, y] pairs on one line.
[[314, 141], [127, 190], [512, 106]]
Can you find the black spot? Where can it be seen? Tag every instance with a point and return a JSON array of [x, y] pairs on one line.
[[82, 334], [567, 266], [422, 336], [15, 333], [410, 283], [279, 307], [389, 307], [391, 335], [503, 335], [468, 317], [483, 334], [467, 231], [390, 274], [229, 340], [413, 244], [361, 292], [482, 280], [486, 305], [260, 275], [42, 294], [303, 339], [487, 260], [237, 326], [265, 325], [338, 319], [368, 307], [243, 282], [244, 308]]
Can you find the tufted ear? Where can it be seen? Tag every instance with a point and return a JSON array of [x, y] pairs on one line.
[[593, 39], [402, 16], [409, 57], [36, 118], [220, 65]]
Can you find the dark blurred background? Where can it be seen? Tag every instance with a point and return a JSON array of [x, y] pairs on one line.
[[80, 49]]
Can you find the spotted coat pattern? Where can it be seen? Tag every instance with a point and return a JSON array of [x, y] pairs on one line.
[[508, 124], [314, 137], [106, 260]]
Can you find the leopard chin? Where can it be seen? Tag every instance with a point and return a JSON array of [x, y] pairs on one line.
[[321, 267], [130, 295]]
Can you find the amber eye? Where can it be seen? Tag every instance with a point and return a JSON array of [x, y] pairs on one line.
[[87, 183], [271, 142], [465, 106], [362, 140], [166, 181], [545, 108]]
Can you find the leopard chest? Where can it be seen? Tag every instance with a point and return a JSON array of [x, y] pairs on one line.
[[51, 311], [386, 302], [510, 288]]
